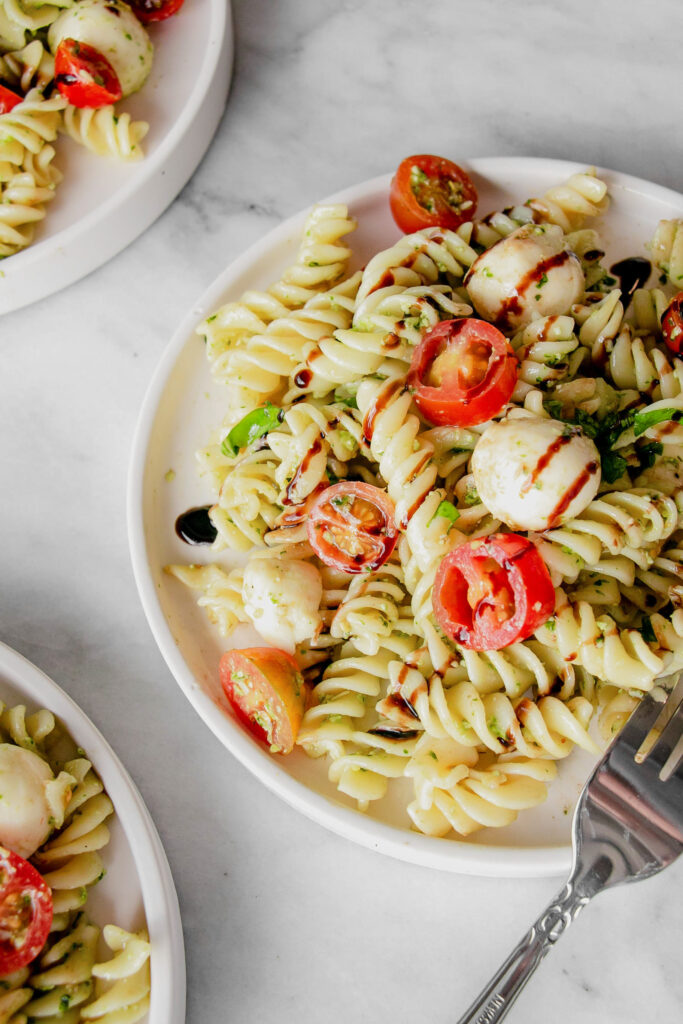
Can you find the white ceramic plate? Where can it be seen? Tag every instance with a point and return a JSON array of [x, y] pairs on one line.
[[103, 205], [181, 408], [137, 889]]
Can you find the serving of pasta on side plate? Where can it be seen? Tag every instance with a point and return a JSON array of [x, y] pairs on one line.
[[446, 496], [64, 67], [53, 825]]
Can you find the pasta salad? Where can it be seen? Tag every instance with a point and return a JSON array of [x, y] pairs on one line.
[[64, 66], [53, 817], [454, 478]]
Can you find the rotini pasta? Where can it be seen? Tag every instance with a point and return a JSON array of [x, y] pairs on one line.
[[31, 67], [22, 206], [58, 984], [106, 132], [340, 406], [126, 977], [667, 249]]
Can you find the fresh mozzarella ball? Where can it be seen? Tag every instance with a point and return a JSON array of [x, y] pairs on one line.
[[112, 28], [530, 274], [534, 473], [282, 600], [32, 802]]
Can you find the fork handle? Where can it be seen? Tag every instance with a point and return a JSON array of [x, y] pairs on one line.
[[501, 992]]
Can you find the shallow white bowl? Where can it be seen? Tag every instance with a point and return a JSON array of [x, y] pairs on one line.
[[137, 889], [102, 205], [183, 405]]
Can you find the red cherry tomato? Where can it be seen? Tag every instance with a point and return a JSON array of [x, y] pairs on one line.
[[8, 100], [148, 11], [672, 324], [463, 372], [25, 912], [429, 191], [267, 694], [491, 592], [351, 526], [84, 76]]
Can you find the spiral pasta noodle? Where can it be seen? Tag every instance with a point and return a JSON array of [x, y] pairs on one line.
[[106, 132], [548, 350], [30, 67], [33, 14], [221, 592], [614, 534], [490, 798], [600, 645], [259, 367], [568, 205], [421, 258], [126, 976], [500, 224], [32, 123], [548, 727], [394, 436], [322, 260], [248, 504], [373, 609], [667, 249], [22, 206]]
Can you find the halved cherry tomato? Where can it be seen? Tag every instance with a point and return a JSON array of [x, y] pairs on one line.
[[429, 191], [351, 526], [8, 100], [25, 912], [491, 592], [672, 324], [463, 372], [84, 76], [154, 10], [267, 694]]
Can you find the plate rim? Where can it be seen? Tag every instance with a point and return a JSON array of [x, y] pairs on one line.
[[450, 855], [159, 895]]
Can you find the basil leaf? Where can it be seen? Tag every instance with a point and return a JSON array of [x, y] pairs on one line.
[[254, 425], [590, 425], [448, 511], [644, 420], [647, 632], [647, 455], [344, 395], [613, 466]]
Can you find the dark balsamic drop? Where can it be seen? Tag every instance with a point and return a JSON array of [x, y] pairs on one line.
[[632, 273], [391, 733], [195, 527]]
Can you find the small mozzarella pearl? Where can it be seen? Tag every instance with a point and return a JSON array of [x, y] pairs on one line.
[[527, 275], [534, 473]]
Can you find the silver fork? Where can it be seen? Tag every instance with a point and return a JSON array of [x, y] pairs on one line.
[[628, 825]]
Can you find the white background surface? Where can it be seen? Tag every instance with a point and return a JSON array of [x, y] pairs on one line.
[[284, 921]]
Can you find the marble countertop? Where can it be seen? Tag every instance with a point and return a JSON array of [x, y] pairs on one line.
[[284, 921]]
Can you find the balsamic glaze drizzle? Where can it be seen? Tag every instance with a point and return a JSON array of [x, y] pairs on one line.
[[195, 527], [633, 273]]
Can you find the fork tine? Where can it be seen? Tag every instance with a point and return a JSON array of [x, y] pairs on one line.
[[640, 723], [663, 748]]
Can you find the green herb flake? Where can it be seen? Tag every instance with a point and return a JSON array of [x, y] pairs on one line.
[[447, 510], [254, 425], [613, 466], [642, 421], [344, 396]]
